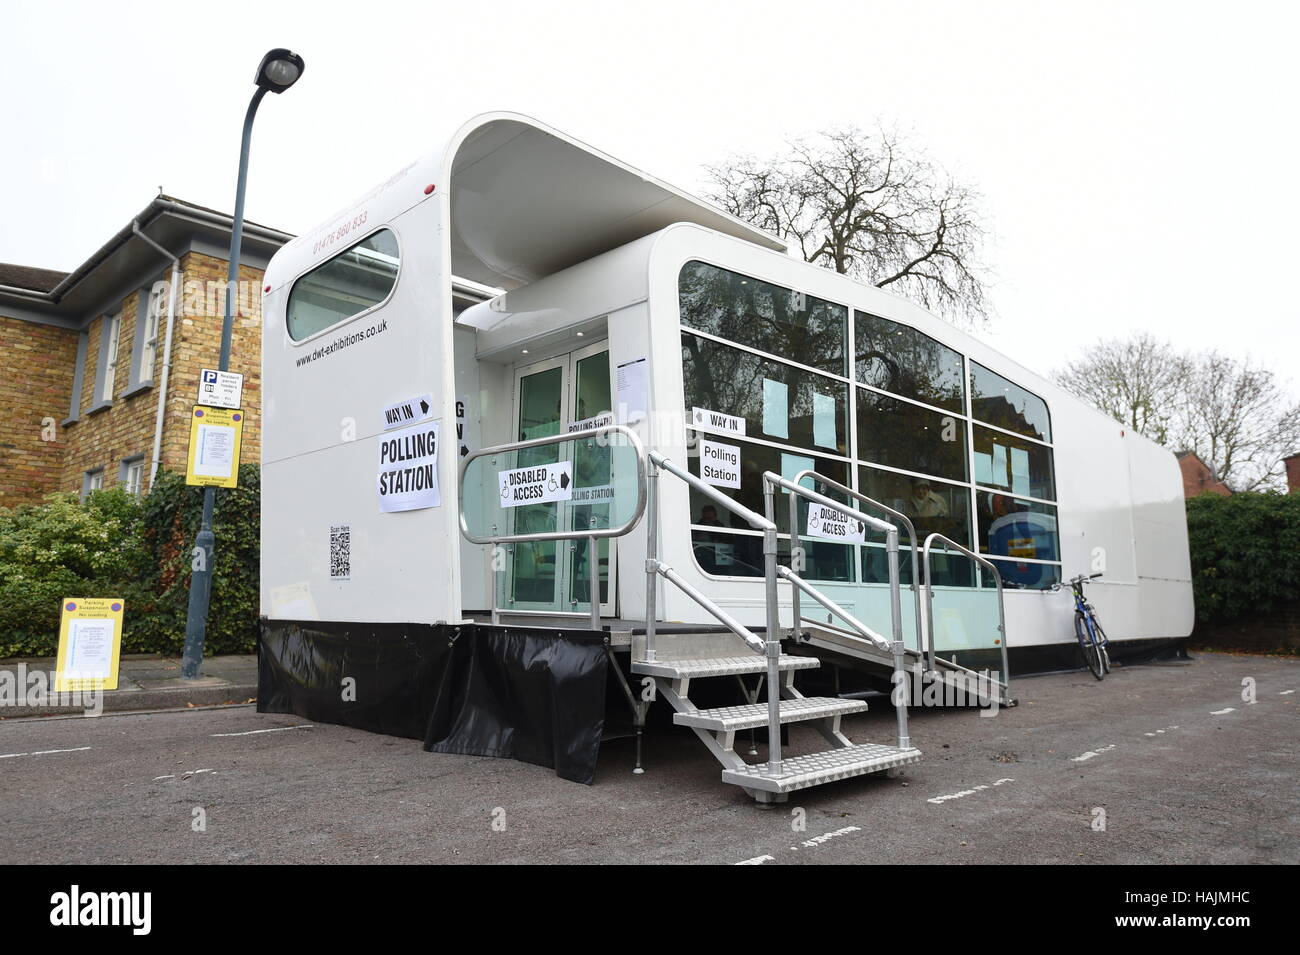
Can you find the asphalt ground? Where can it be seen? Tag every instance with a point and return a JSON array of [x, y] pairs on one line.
[[1162, 764]]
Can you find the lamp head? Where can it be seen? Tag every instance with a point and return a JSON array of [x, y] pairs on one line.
[[279, 70]]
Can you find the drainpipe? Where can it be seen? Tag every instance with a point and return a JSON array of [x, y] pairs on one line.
[[161, 414]]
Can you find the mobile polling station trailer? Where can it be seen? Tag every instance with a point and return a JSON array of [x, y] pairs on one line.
[[535, 420]]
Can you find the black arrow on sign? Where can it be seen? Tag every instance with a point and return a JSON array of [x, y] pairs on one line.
[[564, 479], [424, 406]]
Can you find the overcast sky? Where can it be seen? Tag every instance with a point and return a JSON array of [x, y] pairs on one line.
[[1138, 161]]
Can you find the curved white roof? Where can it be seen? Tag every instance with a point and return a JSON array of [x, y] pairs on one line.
[[526, 201]]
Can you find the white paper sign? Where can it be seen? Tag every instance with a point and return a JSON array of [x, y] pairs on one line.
[[399, 413], [90, 648], [719, 464], [829, 523], [596, 421], [633, 391], [706, 420], [408, 468], [536, 485], [220, 389], [215, 456]]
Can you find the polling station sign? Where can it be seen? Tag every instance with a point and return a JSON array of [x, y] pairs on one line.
[[720, 463], [90, 644], [536, 485], [407, 478], [829, 523]]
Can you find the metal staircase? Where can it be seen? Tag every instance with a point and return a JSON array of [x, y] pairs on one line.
[[770, 782], [735, 650]]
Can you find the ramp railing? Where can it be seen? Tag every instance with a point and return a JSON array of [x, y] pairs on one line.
[[796, 546], [771, 482], [770, 645], [492, 511], [950, 544]]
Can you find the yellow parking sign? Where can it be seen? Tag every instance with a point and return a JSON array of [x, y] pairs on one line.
[[214, 446], [90, 643]]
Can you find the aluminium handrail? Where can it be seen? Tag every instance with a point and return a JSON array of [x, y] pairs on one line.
[[921, 635], [771, 647], [948, 542], [585, 433], [597, 432], [771, 481], [854, 623]]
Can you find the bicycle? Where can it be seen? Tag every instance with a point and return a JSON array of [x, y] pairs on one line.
[[1092, 638]]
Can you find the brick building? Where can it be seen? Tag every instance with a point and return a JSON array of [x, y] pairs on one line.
[[1199, 477], [84, 362]]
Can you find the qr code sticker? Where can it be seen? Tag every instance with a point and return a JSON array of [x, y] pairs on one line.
[[340, 552]]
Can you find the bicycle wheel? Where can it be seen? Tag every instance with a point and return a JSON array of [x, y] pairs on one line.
[[1102, 643], [1088, 646]]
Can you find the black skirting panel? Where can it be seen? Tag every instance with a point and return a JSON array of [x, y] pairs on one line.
[[526, 693]]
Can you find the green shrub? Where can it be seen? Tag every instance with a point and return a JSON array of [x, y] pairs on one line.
[[139, 550], [64, 548], [1245, 553]]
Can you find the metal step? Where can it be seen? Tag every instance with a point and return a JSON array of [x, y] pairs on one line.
[[800, 772], [719, 666], [728, 719]]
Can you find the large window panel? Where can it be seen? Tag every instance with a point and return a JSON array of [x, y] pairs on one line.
[[1018, 466], [899, 359], [1004, 403], [730, 554], [934, 507], [903, 435], [779, 402], [759, 315], [1021, 575], [1009, 527], [356, 279]]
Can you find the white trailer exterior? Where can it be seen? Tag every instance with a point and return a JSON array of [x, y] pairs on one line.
[[578, 263]]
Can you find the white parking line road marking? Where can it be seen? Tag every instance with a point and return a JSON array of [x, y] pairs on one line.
[[44, 752], [1286, 692], [1091, 753], [1231, 709], [185, 775], [966, 792], [278, 729], [757, 860]]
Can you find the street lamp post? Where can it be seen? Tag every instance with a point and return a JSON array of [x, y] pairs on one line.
[[278, 71]]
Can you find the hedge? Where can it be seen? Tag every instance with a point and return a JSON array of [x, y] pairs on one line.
[[1245, 553], [139, 549]]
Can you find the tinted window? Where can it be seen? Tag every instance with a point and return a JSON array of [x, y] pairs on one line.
[[907, 436], [934, 507], [351, 282], [1014, 464], [1015, 528], [772, 319], [779, 402], [1003, 403], [900, 359]]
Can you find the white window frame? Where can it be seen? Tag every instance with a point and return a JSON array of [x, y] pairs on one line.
[[133, 466], [109, 358], [149, 335]]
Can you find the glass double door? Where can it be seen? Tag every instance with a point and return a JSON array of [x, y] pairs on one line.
[[554, 397]]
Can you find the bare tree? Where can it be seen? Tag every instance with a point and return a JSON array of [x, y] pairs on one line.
[[1240, 420], [1235, 414], [1137, 381], [865, 205]]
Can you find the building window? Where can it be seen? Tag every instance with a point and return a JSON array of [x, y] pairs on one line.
[[903, 361], [108, 358], [1004, 404], [357, 279], [768, 318], [149, 333], [132, 476], [92, 481]]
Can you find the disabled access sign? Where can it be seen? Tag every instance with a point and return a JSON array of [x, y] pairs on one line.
[[536, 485]]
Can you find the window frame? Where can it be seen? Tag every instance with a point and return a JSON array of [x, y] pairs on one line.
[[136, 461], [110, 345], [397, 278]]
